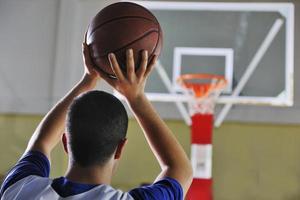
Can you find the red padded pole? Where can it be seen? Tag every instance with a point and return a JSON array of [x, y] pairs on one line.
[[201, 137]]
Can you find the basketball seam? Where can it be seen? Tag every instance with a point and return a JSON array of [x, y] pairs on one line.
[[124, 17], [158, 38], [141, 37], [134, 4], [137, 5], [150, 57]]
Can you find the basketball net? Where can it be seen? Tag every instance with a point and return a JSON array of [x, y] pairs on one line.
[[203, 90]]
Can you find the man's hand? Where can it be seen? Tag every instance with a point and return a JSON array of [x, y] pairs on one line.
[[131, 84], [90, 75], [172, 159]]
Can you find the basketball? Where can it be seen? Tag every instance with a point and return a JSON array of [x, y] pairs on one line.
[[121, 26]]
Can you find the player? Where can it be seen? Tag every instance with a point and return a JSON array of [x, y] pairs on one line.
[[96, 124]]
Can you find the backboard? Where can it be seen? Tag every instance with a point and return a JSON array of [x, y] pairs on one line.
[[251, 44]]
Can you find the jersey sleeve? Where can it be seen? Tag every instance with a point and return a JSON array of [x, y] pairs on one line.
[[167, 189], [31, 163]]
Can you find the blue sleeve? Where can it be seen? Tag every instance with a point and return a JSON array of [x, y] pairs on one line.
[[31, 163], [166, 189]]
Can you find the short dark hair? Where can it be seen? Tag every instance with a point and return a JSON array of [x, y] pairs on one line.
[[96, 123]]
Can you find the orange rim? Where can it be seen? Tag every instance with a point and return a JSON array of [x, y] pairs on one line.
[[214, 82]]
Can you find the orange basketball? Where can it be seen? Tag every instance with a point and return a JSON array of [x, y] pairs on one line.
[[119, 27]]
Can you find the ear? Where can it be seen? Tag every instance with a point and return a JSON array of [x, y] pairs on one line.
[[120, 148], [65, 142]]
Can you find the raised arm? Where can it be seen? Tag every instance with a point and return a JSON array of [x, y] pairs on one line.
[[50, 130], [172, 159]]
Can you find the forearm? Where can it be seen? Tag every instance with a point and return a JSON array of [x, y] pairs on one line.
[[163, 143], [169, 153], [50, 130]]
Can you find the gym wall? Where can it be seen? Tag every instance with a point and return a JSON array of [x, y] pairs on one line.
[[250, 160]]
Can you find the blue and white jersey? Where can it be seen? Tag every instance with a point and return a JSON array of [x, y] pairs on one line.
[[35, 187], [29, 179]]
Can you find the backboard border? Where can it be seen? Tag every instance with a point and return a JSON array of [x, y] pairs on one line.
[[286, 97]]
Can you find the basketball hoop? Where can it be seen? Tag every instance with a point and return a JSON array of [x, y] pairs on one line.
[[204, 90]]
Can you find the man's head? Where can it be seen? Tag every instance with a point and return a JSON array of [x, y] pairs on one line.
[[96, 125]]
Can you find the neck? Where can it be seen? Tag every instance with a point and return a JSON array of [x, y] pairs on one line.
[[90, 175]]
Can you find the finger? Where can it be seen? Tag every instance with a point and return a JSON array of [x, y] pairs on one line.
[[86, 56], [143, 66], [109, 80], [130, 64], [84, 53], [115, 66], [151, 65], [84, 39]]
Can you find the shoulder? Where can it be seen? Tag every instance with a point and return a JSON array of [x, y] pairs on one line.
[[31, 163], [167, 188], [27, 186]]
